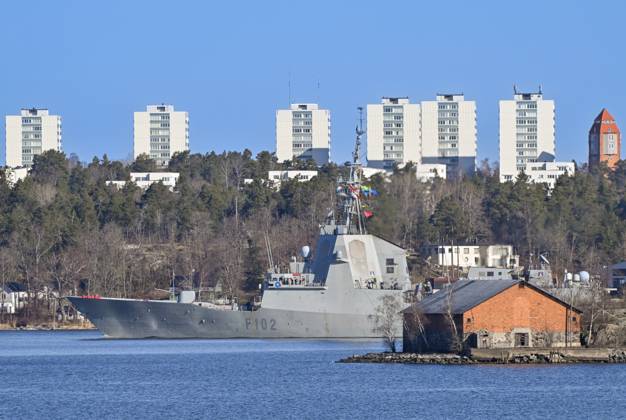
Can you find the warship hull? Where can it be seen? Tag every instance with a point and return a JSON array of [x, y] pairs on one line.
[[129, 318]]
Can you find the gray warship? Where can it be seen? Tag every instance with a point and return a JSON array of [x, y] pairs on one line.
[[335, 293]]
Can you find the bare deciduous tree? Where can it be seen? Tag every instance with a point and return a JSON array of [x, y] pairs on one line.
[[388, 320], [414, 324]]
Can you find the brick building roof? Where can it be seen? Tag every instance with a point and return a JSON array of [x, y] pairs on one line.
[[467, 294]]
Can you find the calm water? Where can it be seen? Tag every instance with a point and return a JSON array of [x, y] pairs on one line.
[[80, 375]]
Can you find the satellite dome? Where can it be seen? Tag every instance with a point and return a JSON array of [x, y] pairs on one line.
[[584, 276], [305, 251]]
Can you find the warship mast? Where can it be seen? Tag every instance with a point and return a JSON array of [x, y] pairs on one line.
[[351, 190]]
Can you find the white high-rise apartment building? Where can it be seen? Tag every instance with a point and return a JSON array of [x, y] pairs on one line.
[[303, 132], [526, 133], [31, 133], [393, 133], [159, 132], [449, 133]]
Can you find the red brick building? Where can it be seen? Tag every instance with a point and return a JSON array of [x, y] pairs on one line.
[[490, 314], [604, 141]]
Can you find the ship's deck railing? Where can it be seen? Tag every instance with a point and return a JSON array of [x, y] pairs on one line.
[[290, 280], [373, 283]]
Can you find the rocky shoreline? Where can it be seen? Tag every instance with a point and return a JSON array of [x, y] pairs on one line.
[[500, 357]]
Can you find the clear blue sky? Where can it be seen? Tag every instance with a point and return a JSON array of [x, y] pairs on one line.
[[228, 64]]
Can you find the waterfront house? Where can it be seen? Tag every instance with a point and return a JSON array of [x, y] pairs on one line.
[[13, 296], [490, 314]]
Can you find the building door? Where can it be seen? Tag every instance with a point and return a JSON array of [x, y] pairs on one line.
[[521, 339]]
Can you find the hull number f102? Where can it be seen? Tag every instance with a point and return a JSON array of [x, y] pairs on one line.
[[261, 324]]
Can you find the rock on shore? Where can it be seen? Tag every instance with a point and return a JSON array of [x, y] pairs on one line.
[[592, 355], [412, 358]]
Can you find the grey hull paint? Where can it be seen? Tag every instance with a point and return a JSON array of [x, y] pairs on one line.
[[127, 318]]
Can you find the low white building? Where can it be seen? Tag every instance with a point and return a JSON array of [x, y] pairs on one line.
[[548, 172], [145, 179], [429, 171], [276, 177], [466, 256], [15, 174], [369, 172], [12, 297]]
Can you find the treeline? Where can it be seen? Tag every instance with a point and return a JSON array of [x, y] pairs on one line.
[[579, 225], [63, 229]]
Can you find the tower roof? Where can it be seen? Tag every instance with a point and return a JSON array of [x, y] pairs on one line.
[[604, 122], [604, 115]]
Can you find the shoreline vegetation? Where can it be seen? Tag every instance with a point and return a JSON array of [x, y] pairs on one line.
[[499, 357]]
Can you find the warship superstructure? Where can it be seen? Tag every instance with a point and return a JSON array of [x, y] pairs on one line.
[[334, 293]]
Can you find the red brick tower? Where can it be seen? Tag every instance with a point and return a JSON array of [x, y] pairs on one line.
[[604, 141]]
